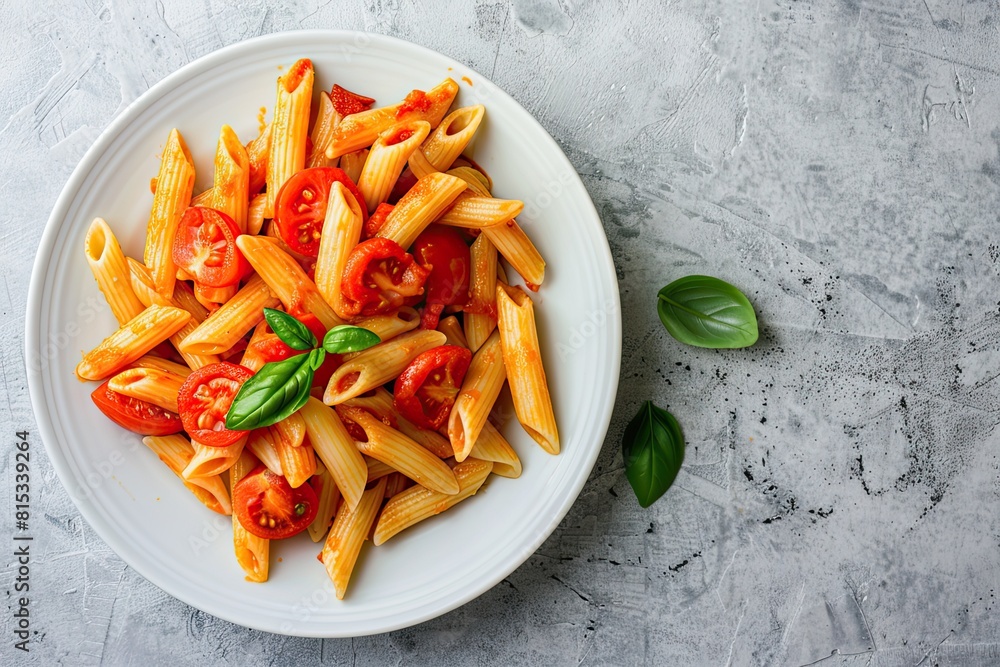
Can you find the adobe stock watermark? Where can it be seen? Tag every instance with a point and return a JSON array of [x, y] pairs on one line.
[[103, 469], [593, 322], [87, 311]]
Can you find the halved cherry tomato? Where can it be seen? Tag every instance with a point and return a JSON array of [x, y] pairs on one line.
[[268, 507], [442, 251], [379, 276], [135, 414], [377, 219], [345, 102], [205, 247], [427, 388], [300, 206], [204, 400]]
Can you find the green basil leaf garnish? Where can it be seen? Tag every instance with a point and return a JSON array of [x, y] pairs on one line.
[[707, 312], [316, 358], [292, 333], [276, 391], [653, 449], [346, 338]]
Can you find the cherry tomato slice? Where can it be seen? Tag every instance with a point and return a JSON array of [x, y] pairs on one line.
[[426, 389], [345, 102], [205, 247], [377, 219], [443, 251], [135, 414], [300, 206], [378, 278], [204, 400], [268, 507]]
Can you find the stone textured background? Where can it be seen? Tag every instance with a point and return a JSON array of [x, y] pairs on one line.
[[839, 161]]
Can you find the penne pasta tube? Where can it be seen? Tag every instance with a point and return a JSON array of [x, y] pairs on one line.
[[184, 298], [480, 389], [201, 199], [420, 166], [526, 375], [209, 461], [377, 470], [158, 363], [386, 159], [255, 214], [293, 429], [347, 535], [297, 462], [391, 447], [261, 444], [212, 297], [231, 190], [451, 137], [379, 403], [253, 358], [452, 329], [341, 232], [478, 212], [480, 314], [422, 205], [286, 279], [379, 364], [134, 339], [327, 495], [107, 262], [289, 129], [175, 451], [252, 552], [478, 182], [418, 503], [258, 154], [227, 325], [362, 129], [153, 385], [173, 195], [389, 326], [492, 446], [326, 123], [336, 448], [396, 483], [352, 163]]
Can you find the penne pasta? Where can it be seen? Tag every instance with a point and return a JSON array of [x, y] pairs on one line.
[[230, 193], [352, 163], [391, 447], [209, 461], [290, 129], [379, 403], [526, 375], [255, 214], [478, 181], [347, 535], [452, 136], [261, 443], [452, 329], [386, 159], [286, 279], [389, 326], [183, 298], [478, 212], [173, 195], [377, 365], [327, 495], [396, 483], [362, 129], [422, 205], [298, 463], [492, 446], [201, 199], [418, 503], [134, 339], [212, 297], [176, 452], [420, 166], [153, 385], [252, 552], [107, 262], [325, 125], [341, 232], [149, 361], [336, 448], [258, 154], [377, 470], [480, 389], [480, 313], [227, 325], [293, 429]]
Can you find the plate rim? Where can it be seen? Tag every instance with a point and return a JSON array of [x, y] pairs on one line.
[[41, 268]]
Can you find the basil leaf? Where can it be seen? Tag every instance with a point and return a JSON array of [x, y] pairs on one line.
[[275, 392], [316, 358], [707, 312], [346, 338], [653, 449], [292, 333]]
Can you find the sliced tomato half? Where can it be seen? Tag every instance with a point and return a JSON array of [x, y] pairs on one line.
[[204, 400], [135, 414], [379, 277], [268, 507], [427, 388], [205, 247], [300, 207], [443, 252]]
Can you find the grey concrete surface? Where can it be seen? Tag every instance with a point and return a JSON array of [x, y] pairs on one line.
[[838, 160]]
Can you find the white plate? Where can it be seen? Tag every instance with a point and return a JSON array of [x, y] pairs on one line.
[[142, 511]]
